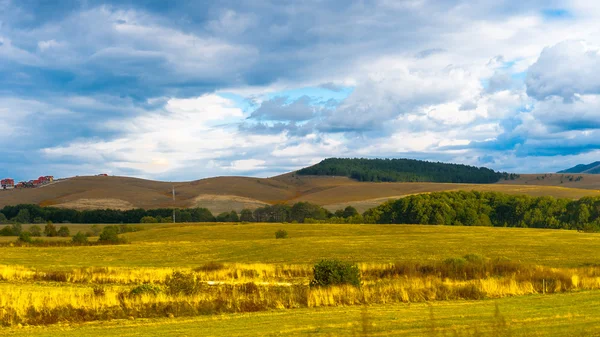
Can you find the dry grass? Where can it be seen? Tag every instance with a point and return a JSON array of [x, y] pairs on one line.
[[87, 204], [225, 203], [48, 297]]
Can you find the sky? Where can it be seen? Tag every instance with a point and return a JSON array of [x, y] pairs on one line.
[[182, 90]]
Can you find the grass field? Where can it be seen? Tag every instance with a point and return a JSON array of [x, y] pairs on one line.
[[572, 314], [243, 268], [193, 245]]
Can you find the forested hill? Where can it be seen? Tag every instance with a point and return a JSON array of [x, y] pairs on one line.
[[593, 168], [404, 170]]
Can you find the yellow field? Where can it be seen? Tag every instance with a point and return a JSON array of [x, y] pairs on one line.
[[242, 269]]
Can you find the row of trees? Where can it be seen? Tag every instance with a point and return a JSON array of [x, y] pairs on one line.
[[404, 170], [490, 209], [441, 208], [298, 212]]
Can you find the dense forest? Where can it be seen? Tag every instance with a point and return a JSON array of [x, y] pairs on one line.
[[490, 209], [404, 170]]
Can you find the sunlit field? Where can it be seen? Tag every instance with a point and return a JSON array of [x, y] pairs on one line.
[[431, 280]]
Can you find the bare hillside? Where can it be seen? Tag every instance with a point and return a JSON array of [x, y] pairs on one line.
[[226, 193]]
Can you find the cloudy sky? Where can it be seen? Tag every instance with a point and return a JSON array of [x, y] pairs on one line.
[[180, 90]]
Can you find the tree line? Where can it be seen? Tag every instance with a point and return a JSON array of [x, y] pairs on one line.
[[299, 212], [405, 170], [460, 208], [489, 209]]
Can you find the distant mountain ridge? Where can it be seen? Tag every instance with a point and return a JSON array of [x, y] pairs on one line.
[[593, 168]]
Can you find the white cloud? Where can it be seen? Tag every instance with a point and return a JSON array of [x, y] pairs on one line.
[[564, 70], [183, 135]]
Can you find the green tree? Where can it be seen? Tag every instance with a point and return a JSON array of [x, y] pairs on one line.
[[35, 230], [349, 212], [17, 228], [95, 229], [25, 237], [148, 219], [303, 210], [110, 234], [22, 217], [63, 231], [79, 238], [246, 215], [50, 229]]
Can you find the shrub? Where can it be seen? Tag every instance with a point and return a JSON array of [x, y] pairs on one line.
[[63, 231], [25, 237], [126, 229], [181, 283], [38, 220], [6, 231], [148, 219], [146, 288], [3, 218], [35, 230], [110, 234], [79, 238], [334, 272], [281, 234], [50, 229], [95, 229], [17, 228]]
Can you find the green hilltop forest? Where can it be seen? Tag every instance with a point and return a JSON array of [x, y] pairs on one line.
[[404, 170]]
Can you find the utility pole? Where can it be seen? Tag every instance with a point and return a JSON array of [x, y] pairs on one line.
[[173, 203]]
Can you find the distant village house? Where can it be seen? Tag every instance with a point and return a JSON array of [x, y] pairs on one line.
[[7, 184]]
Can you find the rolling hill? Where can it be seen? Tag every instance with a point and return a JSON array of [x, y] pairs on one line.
[[226, 193], [593, 168]]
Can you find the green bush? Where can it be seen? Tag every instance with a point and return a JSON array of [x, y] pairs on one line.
[[63, 231], [25, 237], [334, 272], [6, 231], [50, 229], [17, 228], [95, 230], [79, 238], [145, 288], [148, 219], [35, 230], [281, 234], [110, 234], [181, 283]]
